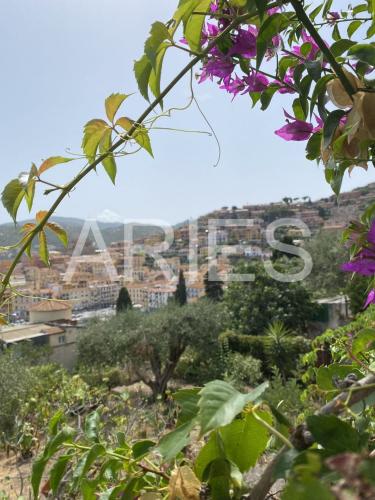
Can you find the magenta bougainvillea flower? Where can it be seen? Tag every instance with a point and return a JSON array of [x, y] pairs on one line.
[[255, 82], [245, 42], [370, 298], [274, 48], [234, 85], [295, 130], [274, 10], [364, 261], [221, 67], [288, 80], [332, 17], [214, 6]]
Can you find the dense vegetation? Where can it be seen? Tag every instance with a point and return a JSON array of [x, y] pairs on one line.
[[205, 439]]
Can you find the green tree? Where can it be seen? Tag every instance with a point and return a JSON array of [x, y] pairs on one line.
[[277, 254], [213, 288], [278, 334], [124, 301], [252, 305], [152, 344], [180, 294], [328, 254]]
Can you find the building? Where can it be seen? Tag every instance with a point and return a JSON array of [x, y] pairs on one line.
[[59, 338], [50, 310]]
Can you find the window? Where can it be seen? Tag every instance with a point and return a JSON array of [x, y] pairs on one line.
[[61, 339]]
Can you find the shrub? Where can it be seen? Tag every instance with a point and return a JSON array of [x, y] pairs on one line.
[[198, 369], [284, 356], [242, 370], [16, 381], [285, 395], [332, 345]]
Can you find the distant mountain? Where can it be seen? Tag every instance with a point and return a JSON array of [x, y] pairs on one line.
[[328, 211], [110, 231]]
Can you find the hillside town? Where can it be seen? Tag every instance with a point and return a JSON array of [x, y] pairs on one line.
[[91, 282], [49, 305]]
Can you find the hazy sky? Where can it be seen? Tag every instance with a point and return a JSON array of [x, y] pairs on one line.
[[61, 58]]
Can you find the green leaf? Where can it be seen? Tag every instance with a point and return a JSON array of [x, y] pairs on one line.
[[12, 196], [360, 8], [371, 31], [85, 462], [65, 435], [326, 375], [43, 248], [330, 126], [363, 52], [262, 7], [271, 27], [142, 71], [109, 162], [140, 135], [54, 422], [320, 89], [158, 34], [142, 448], [315, 12], [334, 176], [336, 33], [314, 69], [267, 96], [334, 434], [172, 443], [183, 12], [37, 473], [51, 162], [88, 489], [92, 424], [219, 479], [298, 110], [220, 403], [92, 135], [364, 341], [313, 146], [57, 472], [242, 442], [341, 46], [112, 104], [30, 193], [59, 232], [187, 400], [194, 26], [155, 76], [353, 27], [284, 64]]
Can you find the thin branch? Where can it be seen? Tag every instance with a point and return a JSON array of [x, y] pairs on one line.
[[273, 431], [365, 19], [71, 185], [305, 20]]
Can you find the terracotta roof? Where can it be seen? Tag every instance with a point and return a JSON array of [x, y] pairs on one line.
[[50, 305]]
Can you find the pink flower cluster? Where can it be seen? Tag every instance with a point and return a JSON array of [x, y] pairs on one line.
[[222, 63], [363, 263]]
